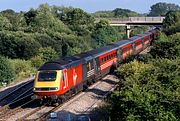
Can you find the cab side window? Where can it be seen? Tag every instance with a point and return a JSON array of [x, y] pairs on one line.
[[62, 76]]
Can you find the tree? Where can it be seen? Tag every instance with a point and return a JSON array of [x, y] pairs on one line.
[[4, 23], [18, 45], [104, 34], [104, 14], [16, 20], [171, 23], [43, 21], [30, 16], [118, 12], [47, 53], [161, 8], [79, 21]]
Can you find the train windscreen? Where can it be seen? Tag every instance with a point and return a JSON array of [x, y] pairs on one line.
[[47, 76]]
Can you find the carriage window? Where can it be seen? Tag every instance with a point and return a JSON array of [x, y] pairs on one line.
[[104, 58], [101, 59]]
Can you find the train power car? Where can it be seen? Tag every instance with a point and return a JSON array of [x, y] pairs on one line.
[[57, 80]]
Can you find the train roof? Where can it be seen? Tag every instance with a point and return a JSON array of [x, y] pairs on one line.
[[122, 42], [143, 35], [134, 38]]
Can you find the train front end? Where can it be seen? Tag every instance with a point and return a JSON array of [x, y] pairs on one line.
[[47, 83]]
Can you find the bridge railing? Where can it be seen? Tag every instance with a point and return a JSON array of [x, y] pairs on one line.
[[134, 19]]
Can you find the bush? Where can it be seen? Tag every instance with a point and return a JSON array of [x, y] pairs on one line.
[[22, 68], [37, 61], [167, 47], [47, 53], [6, 72], [151, 91]]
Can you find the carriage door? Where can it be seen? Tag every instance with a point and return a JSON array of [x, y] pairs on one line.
[[142, 40], [90, 68], [119, 55], [149, 39], [134, 48], [97, 70], [84, 70]]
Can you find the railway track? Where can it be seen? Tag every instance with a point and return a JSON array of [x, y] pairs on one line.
[[14, 101], [17, 93], [75, 98], [15, 107], [41, 117]]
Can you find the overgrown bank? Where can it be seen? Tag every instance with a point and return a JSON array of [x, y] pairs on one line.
[[149, 88]]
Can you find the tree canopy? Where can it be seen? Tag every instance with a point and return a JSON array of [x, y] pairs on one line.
[[161, 8]]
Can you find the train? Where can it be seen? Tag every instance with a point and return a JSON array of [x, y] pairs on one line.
[[58, 80]]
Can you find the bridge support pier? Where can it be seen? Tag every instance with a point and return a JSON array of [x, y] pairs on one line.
[[128, 29]]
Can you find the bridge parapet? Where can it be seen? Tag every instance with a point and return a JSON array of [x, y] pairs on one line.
[[132, 20]]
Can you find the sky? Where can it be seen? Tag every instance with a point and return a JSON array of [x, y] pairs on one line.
[[140, 6]]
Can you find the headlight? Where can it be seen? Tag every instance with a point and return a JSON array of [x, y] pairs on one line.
[[53, 88], [46, 89]]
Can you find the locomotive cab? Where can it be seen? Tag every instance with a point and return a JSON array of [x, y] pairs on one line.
[[47, 81], [47, 84]]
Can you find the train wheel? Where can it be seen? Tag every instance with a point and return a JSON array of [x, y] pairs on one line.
[[63, 99]]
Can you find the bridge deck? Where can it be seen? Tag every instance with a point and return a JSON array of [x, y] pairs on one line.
[[135, 21]]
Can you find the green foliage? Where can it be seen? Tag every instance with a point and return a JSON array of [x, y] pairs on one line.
[[44, 21], [37, 61], [47, 53], [104, 34], [118, 12], [22, 68], [6, 72], [66, 43], [172, 19], [150, 91], [103, 14], [44, 54], [171, 23], [16, 20], [30, 16], [138, 30], [78, 21], [167, 47], [4, 23], [18, 45], [161, 8]]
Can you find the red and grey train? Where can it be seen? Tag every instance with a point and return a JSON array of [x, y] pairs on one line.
[[56, 80]]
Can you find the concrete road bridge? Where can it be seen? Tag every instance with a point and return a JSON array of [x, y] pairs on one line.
[[134, 21]]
